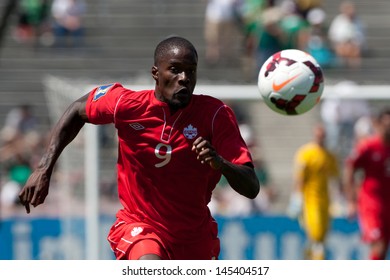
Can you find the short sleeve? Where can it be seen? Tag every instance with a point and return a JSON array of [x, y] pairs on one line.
[[102, 102], [227, 138]]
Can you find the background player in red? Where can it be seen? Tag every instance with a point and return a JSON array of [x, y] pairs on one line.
[[372, 157], [173, 148]]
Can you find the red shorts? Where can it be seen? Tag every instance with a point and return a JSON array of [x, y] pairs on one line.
[[374, 224], [130, 241]]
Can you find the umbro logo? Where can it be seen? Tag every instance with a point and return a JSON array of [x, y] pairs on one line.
[[136, 126]]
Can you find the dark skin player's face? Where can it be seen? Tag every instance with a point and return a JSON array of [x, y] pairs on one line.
[[175, 76]]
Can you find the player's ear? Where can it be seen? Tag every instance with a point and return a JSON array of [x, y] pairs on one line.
[[155, 73]]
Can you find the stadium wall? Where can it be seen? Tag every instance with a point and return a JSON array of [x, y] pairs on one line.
[[248, 238]]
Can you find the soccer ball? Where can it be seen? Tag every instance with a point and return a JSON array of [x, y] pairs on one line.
[[291, 82]]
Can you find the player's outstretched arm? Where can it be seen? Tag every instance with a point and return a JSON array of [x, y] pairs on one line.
[[36, 188], [241, 178]]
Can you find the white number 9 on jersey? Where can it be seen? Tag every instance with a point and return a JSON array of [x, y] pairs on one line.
[[163, 151]]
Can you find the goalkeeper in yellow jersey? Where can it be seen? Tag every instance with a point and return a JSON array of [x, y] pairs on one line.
[[314, 167]]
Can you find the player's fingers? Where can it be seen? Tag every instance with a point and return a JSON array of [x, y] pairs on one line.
[[204, 151], [35, 198], [27, 206], [23, 197], [201, 142], [199, 148], [30, 195], [208, 159], [196, 147], [205, 159], [197, 141]]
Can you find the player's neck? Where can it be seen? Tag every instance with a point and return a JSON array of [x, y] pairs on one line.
[[173, 109]]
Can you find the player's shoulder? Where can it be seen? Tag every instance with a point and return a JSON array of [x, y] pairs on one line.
[[118, 89], [102, 90], [308, 148], [109, 87], [369, 142], [306, 151]]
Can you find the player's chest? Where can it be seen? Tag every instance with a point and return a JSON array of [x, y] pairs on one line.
[[379, 161], [319, 161], [161, 127]]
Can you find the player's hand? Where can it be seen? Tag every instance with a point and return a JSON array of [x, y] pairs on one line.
[[35, 190], [206, 153]]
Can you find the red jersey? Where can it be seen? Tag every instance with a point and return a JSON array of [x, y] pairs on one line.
[[160, 181], [373, 157]]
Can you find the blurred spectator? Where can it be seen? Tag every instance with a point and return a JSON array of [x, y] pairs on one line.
[[248, 14], [21, 119], [68, 22], [220, 31], [20, 133], [304, 6], [267, 36], [315, 38], [347, 35], [17, 173], [33, 21], [19, 141], [340, 114], [293, 24]]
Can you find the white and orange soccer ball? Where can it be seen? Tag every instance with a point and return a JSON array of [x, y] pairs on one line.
[[291, 82]]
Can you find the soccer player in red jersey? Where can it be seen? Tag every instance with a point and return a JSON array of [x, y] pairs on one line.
[[372, 201], [173, 148]]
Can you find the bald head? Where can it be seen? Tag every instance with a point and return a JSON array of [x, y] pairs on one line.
[[319, 134], [169, 44]]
